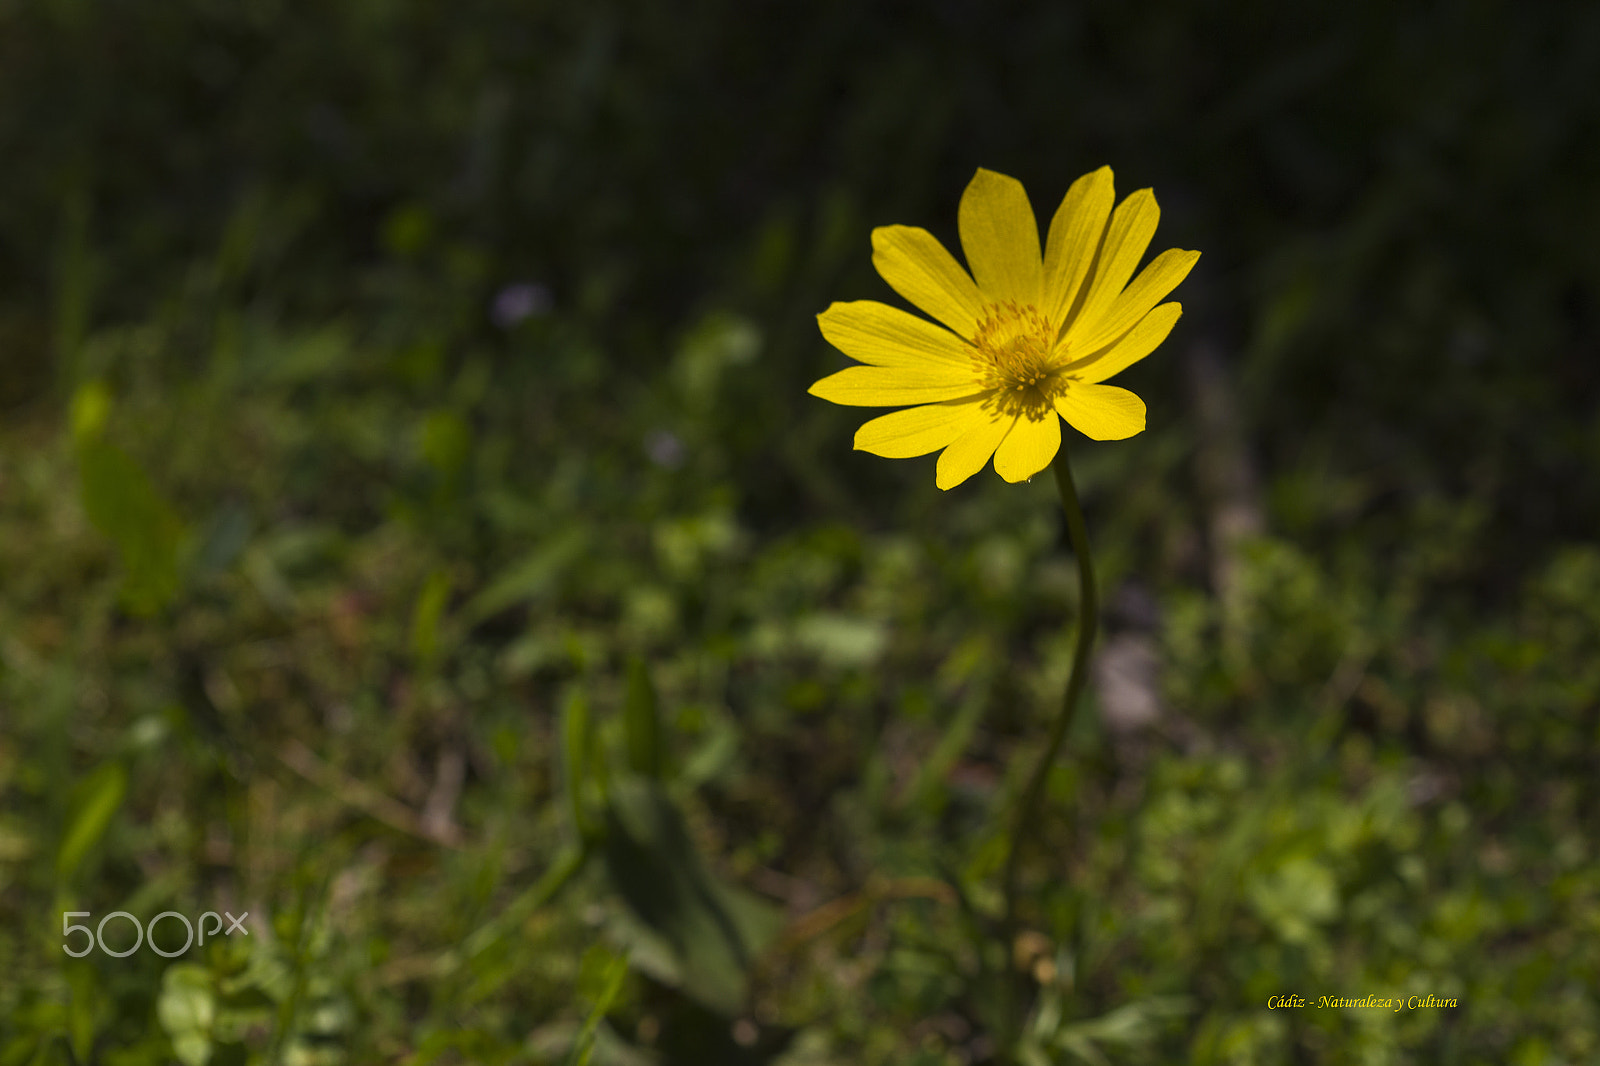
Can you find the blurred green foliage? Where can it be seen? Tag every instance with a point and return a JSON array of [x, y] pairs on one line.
[[414, 532]]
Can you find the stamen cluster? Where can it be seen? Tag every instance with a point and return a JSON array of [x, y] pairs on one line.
[[1013, 353]]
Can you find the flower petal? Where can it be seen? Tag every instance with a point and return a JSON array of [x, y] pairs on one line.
[[967, 454], [1101, 412], [917, 267], [1075, 233], [887, 336], [1154, 281], [1134, 346], [1132, 226], [892, 386], [918, 430], [1029, 447], [1000, 238]]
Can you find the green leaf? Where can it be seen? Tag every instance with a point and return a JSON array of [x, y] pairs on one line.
[[425, 618], [927, 787], [222, 540], [187, 1010], [842, 639], [98, 797], [77, 274], [91, 407], [1131, 1025], [642, 718], [600, 978], [1296, 899], [445, 441], [712, 930], [528, 579], [566, 865], [121, 503], [575, 744], [88, 1009], [718, 342]]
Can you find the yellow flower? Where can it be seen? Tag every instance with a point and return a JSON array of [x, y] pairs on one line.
[[1034, 336]]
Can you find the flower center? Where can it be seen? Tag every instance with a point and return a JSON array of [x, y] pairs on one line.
[[1013, 353]]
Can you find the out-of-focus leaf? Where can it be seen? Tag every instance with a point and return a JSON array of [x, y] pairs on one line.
[[642, 719], [606, 973], [91, 407], [713, 930], [529, 578], [568, 862], [1130, 1025], [575, 746], [717, 342], [187, 1010], [841, 639], [927, 786], [446, 440], [425, 618], [293, 359], [1296, 898], [98, 797], [222, 540], [714, 754], [122, 503], [87, 1010], [77, 274]]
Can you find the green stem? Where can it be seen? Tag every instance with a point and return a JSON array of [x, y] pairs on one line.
[[1088, 615]]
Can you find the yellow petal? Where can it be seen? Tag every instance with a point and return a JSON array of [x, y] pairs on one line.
[[967, 453], [1075, 233], [1101, 412], [1029, 447], [1154, 281], [883, 386], [887, 336], [1134, 346], [917, 267], [1000, 238], [919, 430], [1132, 226]]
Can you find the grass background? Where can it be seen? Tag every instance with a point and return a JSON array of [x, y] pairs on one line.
[[396, 394]]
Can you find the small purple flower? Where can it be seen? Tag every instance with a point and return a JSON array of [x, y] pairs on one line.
[[664, 448], [518, 301]]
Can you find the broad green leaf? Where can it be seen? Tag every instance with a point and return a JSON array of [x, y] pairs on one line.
[[713, 930], [121, 502], [98, 797], [187, 1010]]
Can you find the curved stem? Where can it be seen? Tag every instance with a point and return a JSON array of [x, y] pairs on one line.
[[1088, 615]]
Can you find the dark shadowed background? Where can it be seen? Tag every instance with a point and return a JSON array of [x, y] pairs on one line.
[[407, 476]]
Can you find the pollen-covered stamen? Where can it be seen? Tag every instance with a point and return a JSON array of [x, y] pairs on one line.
[[1014, 352]]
